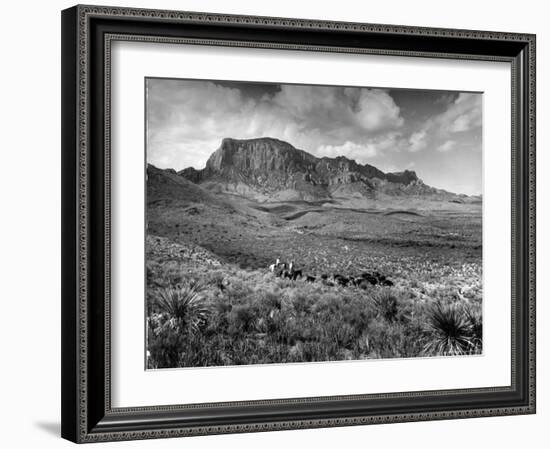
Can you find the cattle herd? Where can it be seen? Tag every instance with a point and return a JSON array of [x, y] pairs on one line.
[[288, 271]]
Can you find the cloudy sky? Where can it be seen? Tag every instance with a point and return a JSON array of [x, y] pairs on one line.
[[436, 133]]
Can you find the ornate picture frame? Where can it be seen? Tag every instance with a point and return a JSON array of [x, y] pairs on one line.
[[87, 35]]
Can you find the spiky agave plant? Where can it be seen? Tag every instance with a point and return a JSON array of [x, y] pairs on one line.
[[186, 305], [451, 331]]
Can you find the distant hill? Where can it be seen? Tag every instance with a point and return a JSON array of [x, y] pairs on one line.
[[167, 185], [268, 169]]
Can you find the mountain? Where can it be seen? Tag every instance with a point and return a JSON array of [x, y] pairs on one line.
[[269, 169], [168, 186]]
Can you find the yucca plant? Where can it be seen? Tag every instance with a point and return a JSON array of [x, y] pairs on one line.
[[185, 304], [476, 327], [387, 305], [451, 331]]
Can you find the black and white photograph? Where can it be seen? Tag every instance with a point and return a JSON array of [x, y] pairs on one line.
[[275, 220], [306, 223]]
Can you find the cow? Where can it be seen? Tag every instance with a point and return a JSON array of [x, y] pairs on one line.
[[357, 281], [370, 278], [341, 280], [310, 278]]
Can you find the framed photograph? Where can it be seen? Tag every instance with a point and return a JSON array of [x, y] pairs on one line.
[[276, 224]]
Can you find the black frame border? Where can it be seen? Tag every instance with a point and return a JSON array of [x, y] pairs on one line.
[[87, 33]]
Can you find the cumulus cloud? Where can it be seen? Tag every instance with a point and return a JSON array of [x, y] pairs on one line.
[[188, 119], [417, 141], [447, 146], [464, 114], [375, 109], [351, 149], [363, 152]]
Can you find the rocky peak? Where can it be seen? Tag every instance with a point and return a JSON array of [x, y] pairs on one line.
[[258, 155], [266, 166]]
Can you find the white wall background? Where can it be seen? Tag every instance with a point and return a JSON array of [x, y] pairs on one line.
[[30, 224]]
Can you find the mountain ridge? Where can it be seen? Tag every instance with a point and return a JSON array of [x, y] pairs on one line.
[[270, 169]]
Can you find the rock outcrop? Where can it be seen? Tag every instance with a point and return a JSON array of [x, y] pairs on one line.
[[273, 170]]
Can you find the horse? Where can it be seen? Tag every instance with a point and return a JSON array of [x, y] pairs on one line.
[[279, 271], [286, 274]]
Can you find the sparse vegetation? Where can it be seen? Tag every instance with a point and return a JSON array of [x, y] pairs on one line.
[[452, 331], [210, 314]]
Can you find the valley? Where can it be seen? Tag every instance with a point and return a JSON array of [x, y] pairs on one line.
[[223, 227]]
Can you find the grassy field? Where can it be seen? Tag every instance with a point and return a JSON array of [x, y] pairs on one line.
[[212, 301]]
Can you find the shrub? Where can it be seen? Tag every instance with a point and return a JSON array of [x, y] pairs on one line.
[[473, 315], [242, 319], [451, 331], [387, 304], [182, 313], [185, 304]]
